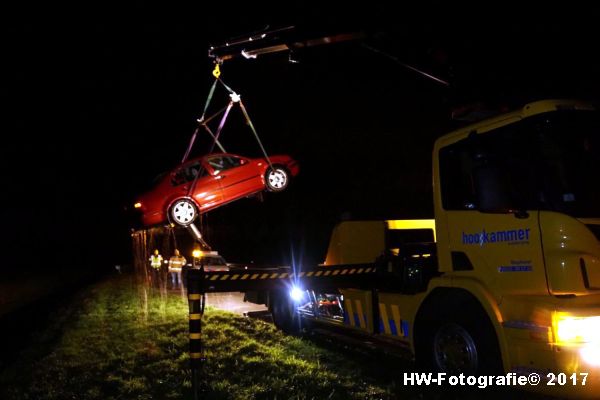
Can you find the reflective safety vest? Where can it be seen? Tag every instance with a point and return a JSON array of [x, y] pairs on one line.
[[176, 263], [156, 261]]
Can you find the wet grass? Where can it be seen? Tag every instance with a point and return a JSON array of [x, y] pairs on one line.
[[121, 341]]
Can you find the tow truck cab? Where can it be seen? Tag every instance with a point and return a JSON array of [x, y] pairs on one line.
[[507, 278], [517, 209]]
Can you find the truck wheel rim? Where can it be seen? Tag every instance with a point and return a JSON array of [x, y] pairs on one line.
[[277, 179], [455, 350], [183, 212]]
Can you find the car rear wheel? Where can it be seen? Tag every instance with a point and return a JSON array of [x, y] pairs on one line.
[[183, 212], [277, 179]]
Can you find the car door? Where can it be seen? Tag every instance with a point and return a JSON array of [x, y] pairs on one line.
[[205, 189], [238, 177]]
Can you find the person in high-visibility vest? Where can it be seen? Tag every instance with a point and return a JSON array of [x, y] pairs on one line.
[[176, 264], [156, 261]]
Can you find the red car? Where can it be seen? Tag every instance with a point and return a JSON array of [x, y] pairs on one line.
[[180, 196]]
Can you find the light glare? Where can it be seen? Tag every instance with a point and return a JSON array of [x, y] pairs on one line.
[[296, 294], [590, 354], [578, 329]]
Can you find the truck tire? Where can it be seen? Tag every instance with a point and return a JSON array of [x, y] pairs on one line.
[[464, 341], [284, 316]]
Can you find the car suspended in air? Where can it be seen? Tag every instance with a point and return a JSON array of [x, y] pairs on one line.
[[203, 184]]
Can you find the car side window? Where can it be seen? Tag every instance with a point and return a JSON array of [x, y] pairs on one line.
[[188, 173], [193, 170], [178, 177], [222, 163], [233, 161]]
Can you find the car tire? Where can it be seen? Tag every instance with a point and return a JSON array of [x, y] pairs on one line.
[[463, 342], [183, 212], [277, 178]]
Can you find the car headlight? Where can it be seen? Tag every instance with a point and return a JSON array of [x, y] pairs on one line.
[[572, 329]]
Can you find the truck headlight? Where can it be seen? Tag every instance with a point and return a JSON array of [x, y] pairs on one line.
[[572, 329], [590, 353]]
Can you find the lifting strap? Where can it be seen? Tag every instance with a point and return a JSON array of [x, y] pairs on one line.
[[221, 125], [251, 125], [203, 121]]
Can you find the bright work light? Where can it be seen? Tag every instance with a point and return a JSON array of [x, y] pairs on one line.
[[296, 294], [197, 253]]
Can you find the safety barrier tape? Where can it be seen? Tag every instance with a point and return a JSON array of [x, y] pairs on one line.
[[284, 275]]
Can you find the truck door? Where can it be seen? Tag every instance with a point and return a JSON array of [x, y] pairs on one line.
[[491, 222]]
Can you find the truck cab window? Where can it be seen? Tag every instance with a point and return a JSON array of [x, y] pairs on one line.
[[539, 163], [458, 190]]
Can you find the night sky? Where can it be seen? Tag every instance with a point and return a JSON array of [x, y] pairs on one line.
[[99, 101]]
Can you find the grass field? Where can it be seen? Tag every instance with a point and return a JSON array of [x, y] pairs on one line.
[[118, 340]]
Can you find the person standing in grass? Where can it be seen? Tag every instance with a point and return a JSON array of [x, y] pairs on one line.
[[156, 261], [176, 263]]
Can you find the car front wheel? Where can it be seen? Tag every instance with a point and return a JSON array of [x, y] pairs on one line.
[[183, 212], [276, 179]]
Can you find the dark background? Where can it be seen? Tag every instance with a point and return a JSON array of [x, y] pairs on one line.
[[102, 99]]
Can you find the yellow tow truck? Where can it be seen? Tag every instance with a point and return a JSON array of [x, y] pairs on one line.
[[505, 281]]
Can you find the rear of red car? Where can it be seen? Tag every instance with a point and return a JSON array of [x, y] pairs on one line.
[[151, 205]]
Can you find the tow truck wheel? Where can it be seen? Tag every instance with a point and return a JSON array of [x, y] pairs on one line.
[[284, 316], [276, 179], [183, 212], [462, 342], [454, 349]]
